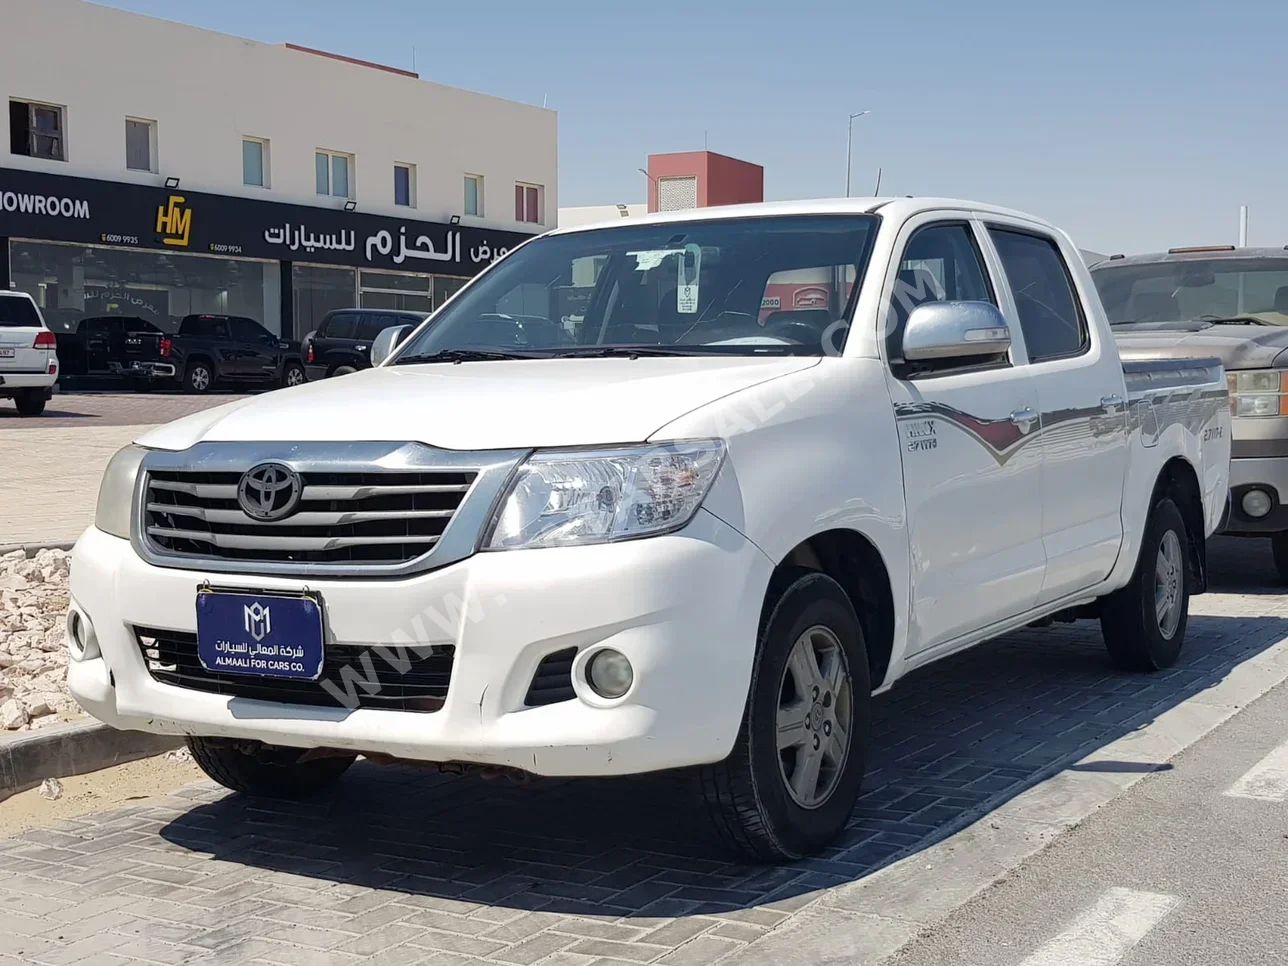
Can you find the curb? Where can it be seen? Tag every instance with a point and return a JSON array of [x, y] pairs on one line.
[[75, 748], [31, 549]]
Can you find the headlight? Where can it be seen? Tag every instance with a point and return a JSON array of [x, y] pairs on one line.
[[1260, 392], [571, 497], [116, 492]]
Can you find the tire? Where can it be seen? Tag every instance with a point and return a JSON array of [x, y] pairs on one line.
[[30, 402], [1144, 622], [293, 375], [750, 796], [1279, 547], [269, 771], [341, 371], [198, 378]]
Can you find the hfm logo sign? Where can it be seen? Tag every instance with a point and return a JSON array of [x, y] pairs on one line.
[[259, 621], [174, 222]]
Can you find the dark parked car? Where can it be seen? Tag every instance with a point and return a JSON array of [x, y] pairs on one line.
[[212, 349], [342, 343], [96, 343]]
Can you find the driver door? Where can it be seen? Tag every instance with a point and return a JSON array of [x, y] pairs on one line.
[[972, 458]]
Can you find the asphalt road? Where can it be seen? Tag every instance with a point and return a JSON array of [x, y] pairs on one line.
[[1188, 868]]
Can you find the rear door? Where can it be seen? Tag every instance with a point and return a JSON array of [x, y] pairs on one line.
[[257, 348], [20, 323], [1081, 392], [971, 463]]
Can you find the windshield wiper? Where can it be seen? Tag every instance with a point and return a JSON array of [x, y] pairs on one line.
[[461, 355], [624, 351], [1235, 320]]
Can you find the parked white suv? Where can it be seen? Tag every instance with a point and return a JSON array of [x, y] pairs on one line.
[[28, 354], [683, 492]]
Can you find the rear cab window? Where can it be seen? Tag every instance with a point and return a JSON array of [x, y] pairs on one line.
[[1050, 312], [16, 311]]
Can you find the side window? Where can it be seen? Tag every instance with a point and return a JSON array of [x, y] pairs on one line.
[[343, 325], [218, 329], [247, 330], [1050, 314], [941, 263]]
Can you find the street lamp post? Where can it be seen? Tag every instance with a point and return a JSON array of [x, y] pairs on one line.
[[849, 149]]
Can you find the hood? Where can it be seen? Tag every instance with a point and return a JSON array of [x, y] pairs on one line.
[[1237, 346], [503, 404]]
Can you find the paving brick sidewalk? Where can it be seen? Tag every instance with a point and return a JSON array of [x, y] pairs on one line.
[[50, 466], [402, 866]]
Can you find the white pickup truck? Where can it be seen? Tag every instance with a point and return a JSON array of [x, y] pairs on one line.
[[679, 493]]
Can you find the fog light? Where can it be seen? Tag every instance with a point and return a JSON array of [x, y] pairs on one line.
[[82, 642], [1256, 503], [609, 673]]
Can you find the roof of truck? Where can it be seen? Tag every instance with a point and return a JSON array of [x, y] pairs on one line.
[[899, 207], [1190, 255]]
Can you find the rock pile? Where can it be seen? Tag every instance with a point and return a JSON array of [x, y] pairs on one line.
[[33, 656]]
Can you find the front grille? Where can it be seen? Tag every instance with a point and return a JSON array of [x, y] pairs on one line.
[[362, 676], [552, 681], [362, 518]]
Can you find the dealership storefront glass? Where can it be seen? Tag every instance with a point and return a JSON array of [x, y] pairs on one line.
[[319, 289], [71, 281]]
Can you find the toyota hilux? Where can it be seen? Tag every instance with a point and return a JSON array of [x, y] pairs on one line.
[[668, 530]]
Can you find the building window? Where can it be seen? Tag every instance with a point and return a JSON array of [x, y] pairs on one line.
[[474, 195], [677, 194], [255, 162], [140, 138], [527, 203], [405, 185], [37, 131], [335, 174]]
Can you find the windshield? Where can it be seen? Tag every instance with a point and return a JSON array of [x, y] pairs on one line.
[[745, 286], [1215, 289]]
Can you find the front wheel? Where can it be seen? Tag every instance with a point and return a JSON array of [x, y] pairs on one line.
[[30, 402], [1144, 622], [792, 780], [1279, 547], [266, 770]]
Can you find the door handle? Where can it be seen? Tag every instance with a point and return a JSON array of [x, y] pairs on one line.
[[1111, 402], [1023, 417]]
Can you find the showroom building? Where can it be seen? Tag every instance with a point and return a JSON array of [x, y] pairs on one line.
[[159, 170]]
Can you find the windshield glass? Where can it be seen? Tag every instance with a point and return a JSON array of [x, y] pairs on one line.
[[1213, 288], [745, 286]]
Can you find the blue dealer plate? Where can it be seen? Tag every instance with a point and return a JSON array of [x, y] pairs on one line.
[[263, 635]]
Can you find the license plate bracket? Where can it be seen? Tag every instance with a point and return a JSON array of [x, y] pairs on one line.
[[266, 634]]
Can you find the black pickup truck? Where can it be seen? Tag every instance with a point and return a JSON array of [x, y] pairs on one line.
[[213, 349]]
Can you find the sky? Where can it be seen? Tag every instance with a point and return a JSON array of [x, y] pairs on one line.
[[1135, 125]]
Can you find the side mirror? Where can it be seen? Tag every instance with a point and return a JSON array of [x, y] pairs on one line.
[[386, 342], [955, 330]]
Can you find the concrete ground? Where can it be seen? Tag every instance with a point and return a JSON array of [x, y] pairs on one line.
[[1188, 868], [977, 765], [50, 466]]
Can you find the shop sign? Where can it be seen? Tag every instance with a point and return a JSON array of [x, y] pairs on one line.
[[50, 207]]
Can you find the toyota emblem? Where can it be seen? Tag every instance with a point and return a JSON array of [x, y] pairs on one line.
[[269, 491]]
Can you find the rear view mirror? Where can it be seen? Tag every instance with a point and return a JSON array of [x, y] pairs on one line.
[[386, 342], [954, 330]]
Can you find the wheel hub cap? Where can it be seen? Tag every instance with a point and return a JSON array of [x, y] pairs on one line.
[[815, 717], [1169, 585]]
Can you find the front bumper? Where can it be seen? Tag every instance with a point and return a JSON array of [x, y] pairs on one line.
[[684, 608], [1263, 473]]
